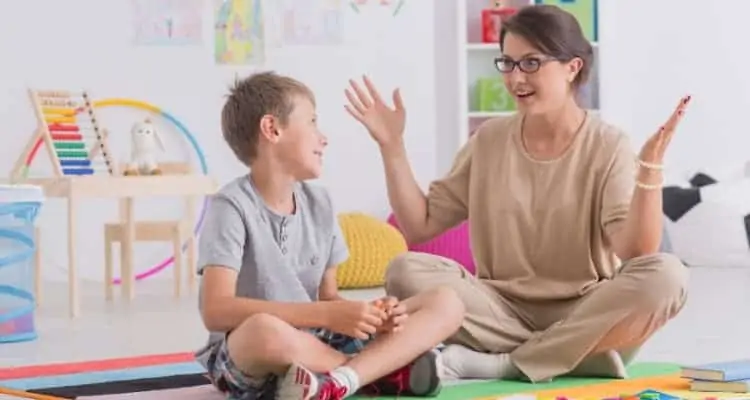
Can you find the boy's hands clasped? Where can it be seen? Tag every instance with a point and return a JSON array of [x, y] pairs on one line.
[[360, 319], [395, 312]]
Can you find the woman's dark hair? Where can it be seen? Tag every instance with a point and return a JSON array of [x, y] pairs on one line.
[[555, 32]]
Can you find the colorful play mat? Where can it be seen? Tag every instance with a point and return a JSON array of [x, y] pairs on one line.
[[173, 376]]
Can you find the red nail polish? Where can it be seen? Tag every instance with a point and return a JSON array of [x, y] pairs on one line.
[[680, 112], [661, 129], [687, 99]]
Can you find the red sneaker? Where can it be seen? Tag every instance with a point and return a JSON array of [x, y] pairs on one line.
[[419, 378], [299, 383], [329, 389]]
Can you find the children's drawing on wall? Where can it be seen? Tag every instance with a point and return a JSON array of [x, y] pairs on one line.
[[239, 34], [311, 22], [392, 6], [167, 22]]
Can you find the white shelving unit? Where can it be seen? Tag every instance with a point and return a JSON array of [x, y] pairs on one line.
[[475, 62]]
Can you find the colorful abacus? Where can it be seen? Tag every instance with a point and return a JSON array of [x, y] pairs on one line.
[[71, 132]]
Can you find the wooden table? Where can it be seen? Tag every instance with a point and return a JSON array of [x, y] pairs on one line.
[[126, 188]]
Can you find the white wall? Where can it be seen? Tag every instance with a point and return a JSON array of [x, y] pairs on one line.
[[93, 51], [654, 52], [446, 89]]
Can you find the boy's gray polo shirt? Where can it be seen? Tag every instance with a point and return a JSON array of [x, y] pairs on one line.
[[278, 257]]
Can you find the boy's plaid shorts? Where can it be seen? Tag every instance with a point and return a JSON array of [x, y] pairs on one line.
[[230, 380]]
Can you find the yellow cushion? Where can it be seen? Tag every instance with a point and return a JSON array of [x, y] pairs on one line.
[[372, 245]]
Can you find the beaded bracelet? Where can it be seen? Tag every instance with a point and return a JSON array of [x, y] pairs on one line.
[[647, 186], [649, 165]]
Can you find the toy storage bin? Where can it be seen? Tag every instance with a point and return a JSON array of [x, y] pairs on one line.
[[19, 206]]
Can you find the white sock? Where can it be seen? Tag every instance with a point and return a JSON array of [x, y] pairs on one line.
[[603, 365], [347, 378], [459, 362]]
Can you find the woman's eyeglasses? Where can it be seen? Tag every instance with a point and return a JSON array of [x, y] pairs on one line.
[[528, 65]]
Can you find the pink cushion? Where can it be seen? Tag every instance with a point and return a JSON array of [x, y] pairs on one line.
[[452, 244]]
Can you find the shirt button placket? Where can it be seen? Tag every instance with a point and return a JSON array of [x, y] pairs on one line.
[[283, 236]]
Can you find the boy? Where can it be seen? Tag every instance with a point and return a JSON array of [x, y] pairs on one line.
[[268, 255]]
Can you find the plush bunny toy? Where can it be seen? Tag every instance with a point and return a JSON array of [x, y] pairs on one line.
[[145, 146]]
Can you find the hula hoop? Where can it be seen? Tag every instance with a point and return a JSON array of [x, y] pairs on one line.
[[141, 105]]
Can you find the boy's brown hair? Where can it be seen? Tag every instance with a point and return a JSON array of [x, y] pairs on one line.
[[252, 98]]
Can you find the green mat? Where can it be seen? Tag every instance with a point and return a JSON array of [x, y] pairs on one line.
[[483, 389]]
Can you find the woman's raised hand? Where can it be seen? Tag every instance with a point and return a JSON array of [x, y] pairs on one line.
[[385, 124], [652, 152]]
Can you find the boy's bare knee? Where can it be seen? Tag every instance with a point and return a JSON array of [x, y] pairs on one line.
[[263, 338]]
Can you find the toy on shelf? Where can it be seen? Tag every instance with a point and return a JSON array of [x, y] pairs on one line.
[[492, 19], [146, 143], [492, 96], [585, 11]]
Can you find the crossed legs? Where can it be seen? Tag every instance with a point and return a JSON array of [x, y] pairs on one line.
[[605, 327], [266, 346]]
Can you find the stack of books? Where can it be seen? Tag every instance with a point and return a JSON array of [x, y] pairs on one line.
[[727, 376]]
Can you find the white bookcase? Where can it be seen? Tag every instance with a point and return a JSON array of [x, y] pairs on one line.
[[475, 61]]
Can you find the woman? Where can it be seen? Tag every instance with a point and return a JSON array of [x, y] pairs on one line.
[[555, 198]]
